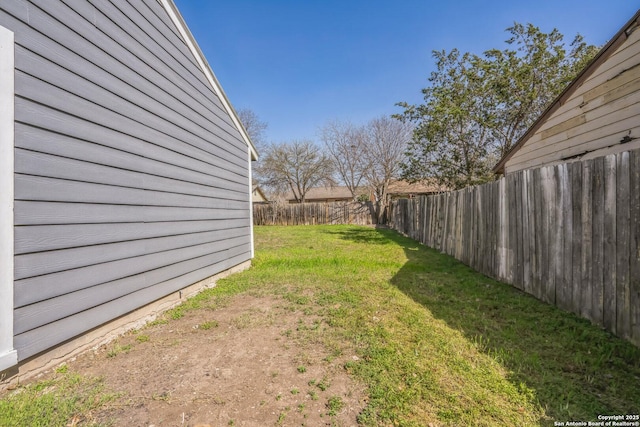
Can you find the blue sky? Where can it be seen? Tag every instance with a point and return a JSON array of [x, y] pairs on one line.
[[300, 63]]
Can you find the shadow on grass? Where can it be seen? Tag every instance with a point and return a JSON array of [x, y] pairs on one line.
[[576, 370], [363, 235]]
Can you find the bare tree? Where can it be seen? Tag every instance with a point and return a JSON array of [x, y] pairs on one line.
[[386, 143], [345, 144], [256, 129], [296, 166], [254, 126]]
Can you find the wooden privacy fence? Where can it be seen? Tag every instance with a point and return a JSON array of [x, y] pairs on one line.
[[361, 213], [568, 234]]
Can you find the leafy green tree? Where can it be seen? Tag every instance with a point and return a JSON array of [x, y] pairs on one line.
[[452, 139], [477, 107], [527, 78]]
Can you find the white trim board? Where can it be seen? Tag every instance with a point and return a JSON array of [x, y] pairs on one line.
[[253, 254], [8, 355]]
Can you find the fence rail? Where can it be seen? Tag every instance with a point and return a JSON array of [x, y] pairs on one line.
[[568, 234], [361, 213]]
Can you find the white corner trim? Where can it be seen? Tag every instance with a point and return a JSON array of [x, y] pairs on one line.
[[181, 25], [251, 204], [8, 355]]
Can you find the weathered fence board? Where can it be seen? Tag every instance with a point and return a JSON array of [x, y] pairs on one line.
[[587, 239], [314, 213], [565, 219], [576, 236], [539, 240], [609, 245], [568, 234], [525, 235], [550, 237], [622, 247], [597, 297], [634, 242]]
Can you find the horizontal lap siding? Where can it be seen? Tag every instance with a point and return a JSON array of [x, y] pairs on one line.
[[53, 237], [31, 342], [42, 263], [131, 179], [161, 265]]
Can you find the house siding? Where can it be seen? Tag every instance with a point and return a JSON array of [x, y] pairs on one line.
[[131, 180], [594, 119]]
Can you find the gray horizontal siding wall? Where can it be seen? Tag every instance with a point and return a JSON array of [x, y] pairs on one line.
[[131, 180]]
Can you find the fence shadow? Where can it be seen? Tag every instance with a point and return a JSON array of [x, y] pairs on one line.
[[564, 359], [569, 234], [359, 235]]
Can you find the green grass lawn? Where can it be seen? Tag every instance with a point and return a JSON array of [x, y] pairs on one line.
[[441, 343], [436, 342]]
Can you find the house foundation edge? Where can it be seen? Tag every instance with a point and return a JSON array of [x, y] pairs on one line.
[[104, 334]]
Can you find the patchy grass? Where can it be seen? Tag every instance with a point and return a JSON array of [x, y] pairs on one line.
[[142, 338], [334, 405], [116, 349], [433, 341], [208, 325], [66, 399]]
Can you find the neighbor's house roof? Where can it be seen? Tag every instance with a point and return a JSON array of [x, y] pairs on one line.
[[397, 187], [613, 44], [258, 195], [419, 187], [191, 43], [323, 194]]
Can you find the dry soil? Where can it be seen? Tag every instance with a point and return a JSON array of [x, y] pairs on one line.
[[248, 361]]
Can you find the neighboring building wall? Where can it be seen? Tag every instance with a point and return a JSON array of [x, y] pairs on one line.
[[258, 196], [131, 180], [597, 119]]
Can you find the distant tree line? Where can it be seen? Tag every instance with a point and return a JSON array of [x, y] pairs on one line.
[[475, 109], [367, 156]]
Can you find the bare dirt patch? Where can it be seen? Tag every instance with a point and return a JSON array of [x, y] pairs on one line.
[[254, 361]]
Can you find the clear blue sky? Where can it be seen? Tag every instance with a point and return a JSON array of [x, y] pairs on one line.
[[299, 63]]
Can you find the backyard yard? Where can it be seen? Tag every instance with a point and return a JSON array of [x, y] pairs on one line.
[[344, 325]]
